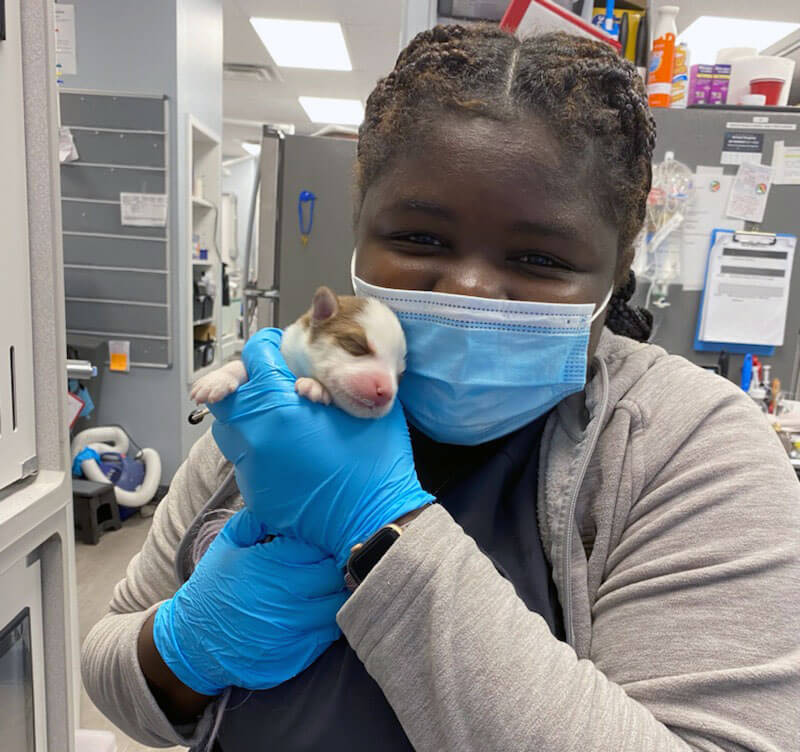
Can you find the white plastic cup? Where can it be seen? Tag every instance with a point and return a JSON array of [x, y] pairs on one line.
[[754, 100]]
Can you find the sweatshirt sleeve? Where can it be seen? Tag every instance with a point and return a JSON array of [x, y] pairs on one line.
[[694, 635], [109, 663]]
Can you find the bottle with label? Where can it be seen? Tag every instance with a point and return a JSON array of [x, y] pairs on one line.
[[662, 57], [680, 77]]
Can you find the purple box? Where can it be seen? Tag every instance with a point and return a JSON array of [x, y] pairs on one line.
[[719, 84], [701, 78]]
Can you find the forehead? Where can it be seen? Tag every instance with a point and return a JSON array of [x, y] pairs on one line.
[[383, 330], [520, 164]]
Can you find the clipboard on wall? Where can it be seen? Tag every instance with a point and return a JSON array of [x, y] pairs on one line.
[[745, 299]]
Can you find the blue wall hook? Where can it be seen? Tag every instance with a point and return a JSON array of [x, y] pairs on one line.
[[305, 198]]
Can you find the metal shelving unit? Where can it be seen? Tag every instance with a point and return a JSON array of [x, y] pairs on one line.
[[116, 277]]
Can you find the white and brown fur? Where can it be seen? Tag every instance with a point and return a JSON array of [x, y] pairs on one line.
[[346, 350]]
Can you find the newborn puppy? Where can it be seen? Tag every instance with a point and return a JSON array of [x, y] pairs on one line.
[[346, 350]]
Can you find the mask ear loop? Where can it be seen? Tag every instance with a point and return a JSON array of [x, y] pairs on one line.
[[353, 272], [594, 315]]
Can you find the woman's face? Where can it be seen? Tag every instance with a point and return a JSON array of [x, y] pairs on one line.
[[491, 210]]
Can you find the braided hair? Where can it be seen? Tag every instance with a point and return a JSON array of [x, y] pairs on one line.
[[593, 100]]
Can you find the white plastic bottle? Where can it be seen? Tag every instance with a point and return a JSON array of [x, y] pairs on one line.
[[662, 57]]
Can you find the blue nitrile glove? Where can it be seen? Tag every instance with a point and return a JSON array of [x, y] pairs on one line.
[[312, 471], [252, 614]]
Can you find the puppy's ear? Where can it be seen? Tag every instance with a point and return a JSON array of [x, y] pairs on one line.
[[325, 305]]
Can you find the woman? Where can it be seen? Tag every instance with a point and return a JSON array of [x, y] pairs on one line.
[[649, 519]]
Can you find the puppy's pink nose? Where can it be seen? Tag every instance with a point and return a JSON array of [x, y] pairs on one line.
[[373, 389], [383, 394]]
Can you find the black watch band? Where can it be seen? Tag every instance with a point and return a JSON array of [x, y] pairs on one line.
[[368, 554], [365, 556]]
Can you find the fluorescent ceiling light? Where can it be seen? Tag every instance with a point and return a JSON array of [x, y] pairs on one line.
[[251, 148], [709, 34], [338, 111], [304, 44]]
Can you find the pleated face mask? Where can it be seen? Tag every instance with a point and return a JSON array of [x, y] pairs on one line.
[[480, 368]]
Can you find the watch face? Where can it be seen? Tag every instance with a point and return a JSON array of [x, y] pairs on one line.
[[363, 560]]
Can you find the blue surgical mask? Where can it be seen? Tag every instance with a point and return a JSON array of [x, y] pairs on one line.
[[479, 368]]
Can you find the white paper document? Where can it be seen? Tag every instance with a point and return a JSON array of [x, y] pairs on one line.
[[66, 56], [785, 164], [706, 213], [74, 407], [143, 209], [750, 191], [67, 151], [747, 290]]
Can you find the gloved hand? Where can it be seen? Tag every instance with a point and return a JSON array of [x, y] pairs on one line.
[[312, 471], [252, 614]]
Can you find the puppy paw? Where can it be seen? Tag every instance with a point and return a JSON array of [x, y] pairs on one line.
[[311, 389], [213, 387]]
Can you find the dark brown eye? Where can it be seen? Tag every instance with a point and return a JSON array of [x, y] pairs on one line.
[[355, 344]]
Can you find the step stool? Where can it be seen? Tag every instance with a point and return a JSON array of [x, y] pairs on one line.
[[95, 509]]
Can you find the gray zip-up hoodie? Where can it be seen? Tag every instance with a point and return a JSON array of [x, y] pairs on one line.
[[671, 516]]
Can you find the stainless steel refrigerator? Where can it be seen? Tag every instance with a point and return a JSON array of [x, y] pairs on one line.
[[290, 165]]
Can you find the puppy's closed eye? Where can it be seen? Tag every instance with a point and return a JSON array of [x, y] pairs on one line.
[[355, 344]]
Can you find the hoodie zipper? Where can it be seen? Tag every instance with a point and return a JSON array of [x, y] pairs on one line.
[[573, 503]]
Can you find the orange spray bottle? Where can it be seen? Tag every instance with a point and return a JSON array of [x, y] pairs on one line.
[[662, 57]]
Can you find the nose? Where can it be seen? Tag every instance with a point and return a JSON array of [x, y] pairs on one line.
[[475, 277], [382, 395], [374, 388]]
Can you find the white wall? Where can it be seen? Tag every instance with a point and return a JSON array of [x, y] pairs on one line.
[[240, 183], [199, 66], [419, 15]]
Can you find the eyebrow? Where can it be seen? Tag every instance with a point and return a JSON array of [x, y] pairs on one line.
[[427, 207], [547, 229]]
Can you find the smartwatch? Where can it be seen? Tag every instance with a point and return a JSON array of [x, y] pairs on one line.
[[365, 556]]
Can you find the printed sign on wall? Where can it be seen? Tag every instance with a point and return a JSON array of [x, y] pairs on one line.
[[740, 147]]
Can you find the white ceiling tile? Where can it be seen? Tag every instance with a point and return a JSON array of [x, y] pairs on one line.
[[240, 41], [372, 30], [371, 12]]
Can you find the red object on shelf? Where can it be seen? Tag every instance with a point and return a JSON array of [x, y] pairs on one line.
[[548, 16], [757, 366], [771, 88]]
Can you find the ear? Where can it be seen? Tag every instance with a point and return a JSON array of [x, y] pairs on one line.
[[325, 305]]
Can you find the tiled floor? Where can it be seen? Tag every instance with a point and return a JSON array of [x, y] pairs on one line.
[[99, 568]]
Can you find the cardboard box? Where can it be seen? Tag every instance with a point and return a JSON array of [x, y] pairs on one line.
[[720, 82], [701, 78]]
